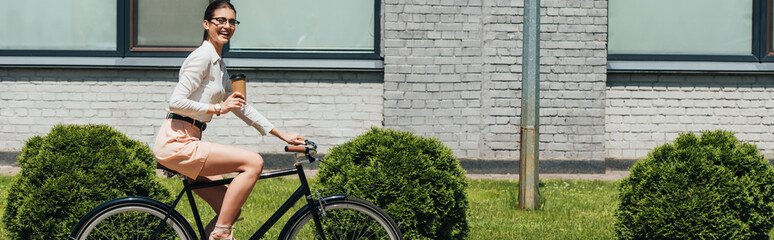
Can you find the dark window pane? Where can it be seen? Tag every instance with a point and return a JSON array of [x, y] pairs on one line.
[[169, 23]]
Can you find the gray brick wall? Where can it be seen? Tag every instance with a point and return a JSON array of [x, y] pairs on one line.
[[648, 110], [453, 71], [328, 107]]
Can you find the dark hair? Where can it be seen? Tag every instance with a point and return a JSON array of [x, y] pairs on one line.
[[215, 5]]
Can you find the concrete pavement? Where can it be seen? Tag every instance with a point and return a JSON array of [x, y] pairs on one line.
[[609, 175]]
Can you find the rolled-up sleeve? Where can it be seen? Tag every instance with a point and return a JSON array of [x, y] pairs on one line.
[[252, 117], [192, 73], [248, 113]]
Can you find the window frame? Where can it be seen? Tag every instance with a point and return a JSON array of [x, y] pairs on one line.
[[765, 32], [125, 44], [134, 50], [761, 38], [318, 54]]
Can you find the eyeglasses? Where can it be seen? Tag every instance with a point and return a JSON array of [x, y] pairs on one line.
[[221, 21]]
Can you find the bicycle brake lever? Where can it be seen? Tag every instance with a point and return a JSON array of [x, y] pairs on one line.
[[314, 145]]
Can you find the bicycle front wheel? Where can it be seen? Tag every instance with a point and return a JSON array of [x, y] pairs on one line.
[[128, 219], [345, 218]]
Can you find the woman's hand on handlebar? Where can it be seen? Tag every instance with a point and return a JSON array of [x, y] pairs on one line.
[[294, 138], [290, 138], [235, 101]]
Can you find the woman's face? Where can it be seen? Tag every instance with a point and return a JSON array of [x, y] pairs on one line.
[[217, 32]]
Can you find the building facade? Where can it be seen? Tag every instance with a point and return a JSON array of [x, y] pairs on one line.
[[449, 69]]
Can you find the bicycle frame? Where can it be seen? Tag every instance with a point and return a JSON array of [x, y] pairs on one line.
[[301, 191]]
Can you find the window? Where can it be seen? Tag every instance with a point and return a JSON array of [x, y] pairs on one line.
[[717, 27], [305, 26], [166, 25], [59, 25], [344, 29], [689, 30]]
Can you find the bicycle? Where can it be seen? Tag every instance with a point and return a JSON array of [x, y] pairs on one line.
[[333, 217]]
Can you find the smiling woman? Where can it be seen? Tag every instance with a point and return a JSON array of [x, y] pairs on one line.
[[219, 25], [204, 90]]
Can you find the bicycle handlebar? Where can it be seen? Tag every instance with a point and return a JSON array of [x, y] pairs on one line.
[[309, 150], [309, 146], [298, 149]]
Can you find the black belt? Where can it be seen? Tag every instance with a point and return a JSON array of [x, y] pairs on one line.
[[195, 122]]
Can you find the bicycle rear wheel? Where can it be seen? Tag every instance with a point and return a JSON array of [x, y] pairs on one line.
[[345, 218], [131, 220]]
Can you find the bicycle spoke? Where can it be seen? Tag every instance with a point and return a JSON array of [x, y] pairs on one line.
[[362, 231], [357, 223], [132, 220], [144, 223], [103, 233], [339, 236], [345, 220], [356, 234], [113, 227], [365, 230]]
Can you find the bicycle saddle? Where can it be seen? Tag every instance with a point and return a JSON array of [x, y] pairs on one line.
[[169, 172]]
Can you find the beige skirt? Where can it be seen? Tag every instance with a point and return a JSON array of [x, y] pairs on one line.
[[179, 147]]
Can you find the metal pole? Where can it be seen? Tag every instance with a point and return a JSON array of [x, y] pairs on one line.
[[530, 107]]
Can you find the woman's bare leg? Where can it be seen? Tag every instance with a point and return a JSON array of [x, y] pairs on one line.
[[213, 196], [226, 159]]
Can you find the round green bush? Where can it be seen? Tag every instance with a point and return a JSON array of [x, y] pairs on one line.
[[699, 187], [418, 181], [72, 170]]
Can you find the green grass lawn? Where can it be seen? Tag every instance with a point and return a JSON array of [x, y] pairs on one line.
[[570, 209], [4, 185]]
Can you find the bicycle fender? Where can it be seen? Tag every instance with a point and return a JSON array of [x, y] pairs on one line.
[[333, 197], [328, 198], [149, 201]]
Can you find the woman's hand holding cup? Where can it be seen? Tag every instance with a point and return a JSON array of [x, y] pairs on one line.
[[234, 101]]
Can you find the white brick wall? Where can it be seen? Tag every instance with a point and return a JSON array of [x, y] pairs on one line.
[[432, 70], [453, 71], [328, 107], [648, 110]]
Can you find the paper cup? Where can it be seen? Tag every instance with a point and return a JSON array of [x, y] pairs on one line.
[[238, 84]]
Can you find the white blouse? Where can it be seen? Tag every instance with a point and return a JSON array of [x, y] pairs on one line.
[[203, 81]]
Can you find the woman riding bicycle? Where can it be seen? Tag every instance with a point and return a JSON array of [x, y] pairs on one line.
[[203, 84]]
